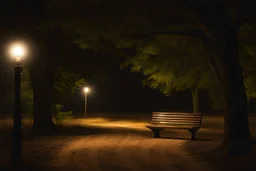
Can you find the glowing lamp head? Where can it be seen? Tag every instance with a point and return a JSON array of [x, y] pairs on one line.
[[86, 89], [17, 51]]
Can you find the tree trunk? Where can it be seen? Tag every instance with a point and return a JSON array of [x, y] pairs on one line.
[[42, 79], [237, 138], [195, 98]]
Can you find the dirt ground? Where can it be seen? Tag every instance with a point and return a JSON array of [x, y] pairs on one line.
[[100, 144]]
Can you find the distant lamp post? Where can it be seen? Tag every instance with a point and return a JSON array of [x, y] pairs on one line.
[[17, 51], [86, 91]]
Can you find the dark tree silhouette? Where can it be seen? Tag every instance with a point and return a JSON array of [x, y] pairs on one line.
[[221, 41], [42, 71]]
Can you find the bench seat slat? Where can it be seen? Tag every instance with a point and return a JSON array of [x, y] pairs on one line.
[[169, 114], [177, 119], [174, 127], [178, 116], [175, 124], [170, 120], [175, 115], [190, 118], [181, 114]]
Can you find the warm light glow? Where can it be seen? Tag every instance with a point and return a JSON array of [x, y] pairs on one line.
[[18, 59], [17, 51], [86, 89]]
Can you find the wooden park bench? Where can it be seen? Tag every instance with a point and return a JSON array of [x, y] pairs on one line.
[[174, 120]]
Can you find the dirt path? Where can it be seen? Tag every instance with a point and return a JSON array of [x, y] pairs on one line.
[[123, 145], [121, 149]]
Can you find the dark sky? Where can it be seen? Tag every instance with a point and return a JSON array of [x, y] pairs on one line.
[[124, 92]]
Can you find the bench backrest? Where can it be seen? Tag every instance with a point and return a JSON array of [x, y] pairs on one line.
[[177, 119]]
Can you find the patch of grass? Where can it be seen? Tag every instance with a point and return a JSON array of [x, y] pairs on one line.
[[61, 116]]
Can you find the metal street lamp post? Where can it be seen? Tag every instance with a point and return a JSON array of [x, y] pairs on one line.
[[86, 90], [16, 155]]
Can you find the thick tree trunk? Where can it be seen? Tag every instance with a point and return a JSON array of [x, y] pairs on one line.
[[43, 81], [42, 71], [237, 138], [195, 98], [223, 32]]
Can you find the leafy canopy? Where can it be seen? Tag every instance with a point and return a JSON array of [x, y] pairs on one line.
[[172, 63]]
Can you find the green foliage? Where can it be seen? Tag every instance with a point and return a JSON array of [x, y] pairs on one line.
[[172, 63], [248, 58], [61, 116], [67, 82]]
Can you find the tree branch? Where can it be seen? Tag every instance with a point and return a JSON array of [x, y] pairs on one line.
[[196, 33], [211, 56]]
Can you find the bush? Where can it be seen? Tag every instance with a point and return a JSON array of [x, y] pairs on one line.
[[62, 116]]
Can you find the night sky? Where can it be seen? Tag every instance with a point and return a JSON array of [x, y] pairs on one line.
[[123, 92]]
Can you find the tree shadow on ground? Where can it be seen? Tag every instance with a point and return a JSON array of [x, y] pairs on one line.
[[236, 163], [182, 138], [253, 140], [81, 130], [206, 151], [60, 130], [24, 168]]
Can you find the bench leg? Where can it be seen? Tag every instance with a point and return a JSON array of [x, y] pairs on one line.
[[193, 133], [156, 132]]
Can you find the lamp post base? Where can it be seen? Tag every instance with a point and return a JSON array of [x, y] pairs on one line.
[[16, 165], [16, 156]]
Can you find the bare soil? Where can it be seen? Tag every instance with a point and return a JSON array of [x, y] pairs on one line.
[[123, 144]]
